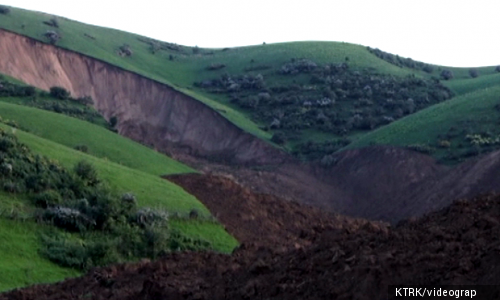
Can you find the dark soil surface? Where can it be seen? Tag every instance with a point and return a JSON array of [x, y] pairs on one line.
[[377, 183], [330, 258], [260, 219]]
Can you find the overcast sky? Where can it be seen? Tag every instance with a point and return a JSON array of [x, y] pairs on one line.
[[451, 33]]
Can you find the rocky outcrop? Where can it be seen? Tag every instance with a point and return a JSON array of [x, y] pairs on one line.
[[147, 111]]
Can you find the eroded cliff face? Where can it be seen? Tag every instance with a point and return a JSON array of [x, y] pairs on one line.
[[149, 112]]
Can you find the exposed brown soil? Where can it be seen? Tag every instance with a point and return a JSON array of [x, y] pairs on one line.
[[261, 219], [148, 111], [342, 259]]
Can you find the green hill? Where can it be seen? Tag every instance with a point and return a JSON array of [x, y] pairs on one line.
[[462, 127], [123, 165], [310, 97]]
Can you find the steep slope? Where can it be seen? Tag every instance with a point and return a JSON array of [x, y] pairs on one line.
[[377, 179], [147, 111]]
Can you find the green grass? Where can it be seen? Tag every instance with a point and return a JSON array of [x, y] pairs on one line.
[[186, 67], [150, 190], [18, 249], [205, 229], [101, 142], [472, 113], [464, 86], [20, 263]]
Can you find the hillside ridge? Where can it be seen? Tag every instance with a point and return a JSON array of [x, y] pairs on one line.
[[168, 120]]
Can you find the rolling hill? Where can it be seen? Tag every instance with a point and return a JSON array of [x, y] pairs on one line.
[[124, 165], [91, 120], [311, 98]]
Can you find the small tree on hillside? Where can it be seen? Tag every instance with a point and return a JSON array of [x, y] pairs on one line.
[[59, 93], [4, 10], [52, 23], [447, 74], [473, 73], [113, 121], [52, 36]]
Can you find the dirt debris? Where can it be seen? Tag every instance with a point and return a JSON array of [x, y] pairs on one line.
[[459, 244]]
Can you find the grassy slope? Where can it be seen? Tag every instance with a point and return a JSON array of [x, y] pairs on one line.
[[187, 68], [20, 263], [464, 86], [473, 112], [101, 143], [150, 190], [126, 165]]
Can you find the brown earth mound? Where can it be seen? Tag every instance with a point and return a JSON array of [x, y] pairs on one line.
[[261, 219], [457, 245]]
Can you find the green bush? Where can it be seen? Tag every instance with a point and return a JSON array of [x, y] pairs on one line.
[[69, 219], [82, 148], [47, 198], [113, 121], [447, 74], [4, 10], [52, 36], [148, 217], [52, 23], [12, 187], [278, 138], [59, 93], [473, 73], [86, 172], [125, 50]]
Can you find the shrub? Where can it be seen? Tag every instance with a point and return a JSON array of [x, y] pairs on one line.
[[87, 172], [52, 36], [85, 100], [6, 168], [125, 50], [4, 10], [444, 144], [146, 217], [447, 74], [59, 93], [128, 201], [497, 69], [12, 187], [278, 138], [473, 73], [196, 50], [214, 67], [64, 252], [428, 68], [47, 198], [113, 121], [82, 148], [194, 214], [52, 23], [68, 218]]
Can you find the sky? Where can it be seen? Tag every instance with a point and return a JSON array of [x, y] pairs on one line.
[[450, 33]]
